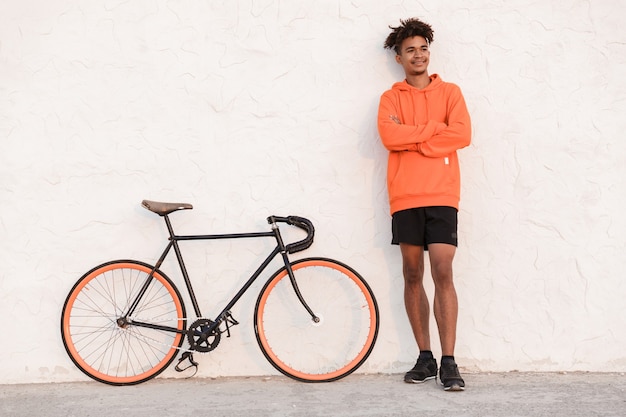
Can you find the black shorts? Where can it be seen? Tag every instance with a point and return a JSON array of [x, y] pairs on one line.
[[424, 225]]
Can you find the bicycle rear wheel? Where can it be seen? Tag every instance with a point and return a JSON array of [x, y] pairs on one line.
[[331, 348], [122, 353]]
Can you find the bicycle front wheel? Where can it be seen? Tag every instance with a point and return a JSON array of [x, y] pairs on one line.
[[330, 348], [115, 351]]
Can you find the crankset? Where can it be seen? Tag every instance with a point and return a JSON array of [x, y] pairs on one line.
[[200, 339]]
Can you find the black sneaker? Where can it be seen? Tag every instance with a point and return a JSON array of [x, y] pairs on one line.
[[423, 370], [450, 377]]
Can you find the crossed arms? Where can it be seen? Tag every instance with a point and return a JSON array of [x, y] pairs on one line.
[[434, 138]]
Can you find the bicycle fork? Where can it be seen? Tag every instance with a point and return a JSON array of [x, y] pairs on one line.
[[292, 277]]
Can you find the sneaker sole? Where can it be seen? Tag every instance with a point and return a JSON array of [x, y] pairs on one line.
[[417, 381], [454, 387]]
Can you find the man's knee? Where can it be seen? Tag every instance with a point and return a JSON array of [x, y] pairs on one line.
[[413, 273], [442, 273]]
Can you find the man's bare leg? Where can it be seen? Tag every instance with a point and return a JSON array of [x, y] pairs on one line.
[[446, 310], [418, 312], [445, 306], [415, 298]]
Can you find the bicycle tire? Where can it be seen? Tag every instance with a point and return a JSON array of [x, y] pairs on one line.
[[127, 355], [317, 352]]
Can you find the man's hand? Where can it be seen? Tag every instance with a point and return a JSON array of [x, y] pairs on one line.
[[396, 119]]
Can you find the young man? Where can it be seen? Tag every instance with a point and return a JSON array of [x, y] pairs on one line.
[[422, 121]]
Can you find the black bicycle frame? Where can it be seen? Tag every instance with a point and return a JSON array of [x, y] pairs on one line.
[[173, 243]]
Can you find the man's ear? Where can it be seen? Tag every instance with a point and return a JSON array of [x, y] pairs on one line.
[[398, 58]]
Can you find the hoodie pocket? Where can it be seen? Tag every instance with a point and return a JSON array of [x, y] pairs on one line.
[[410, 173]]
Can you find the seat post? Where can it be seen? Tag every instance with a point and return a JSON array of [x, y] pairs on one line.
[[170, 229]]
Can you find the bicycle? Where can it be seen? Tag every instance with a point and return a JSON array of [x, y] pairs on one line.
[[315, 319]]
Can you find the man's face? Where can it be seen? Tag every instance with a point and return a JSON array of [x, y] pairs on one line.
[[414, 56]]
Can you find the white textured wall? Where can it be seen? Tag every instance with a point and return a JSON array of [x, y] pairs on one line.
[[251, 108]]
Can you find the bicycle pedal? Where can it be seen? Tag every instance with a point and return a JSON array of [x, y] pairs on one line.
[[186, 356], [229, 321]]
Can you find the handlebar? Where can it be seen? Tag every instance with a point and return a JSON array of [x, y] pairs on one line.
[[300, 222]]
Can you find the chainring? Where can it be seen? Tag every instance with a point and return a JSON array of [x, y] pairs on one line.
[[199, 339]]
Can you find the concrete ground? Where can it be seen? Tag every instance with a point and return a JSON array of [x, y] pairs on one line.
[[498, 394]]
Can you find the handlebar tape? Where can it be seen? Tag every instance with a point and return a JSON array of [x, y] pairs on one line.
[[307, 226]]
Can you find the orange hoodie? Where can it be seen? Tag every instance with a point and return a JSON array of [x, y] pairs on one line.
[[423, 168]]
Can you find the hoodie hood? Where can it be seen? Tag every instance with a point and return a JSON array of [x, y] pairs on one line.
[[435, 82]]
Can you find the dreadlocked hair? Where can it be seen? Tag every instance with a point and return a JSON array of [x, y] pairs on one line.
[[408, 28]]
